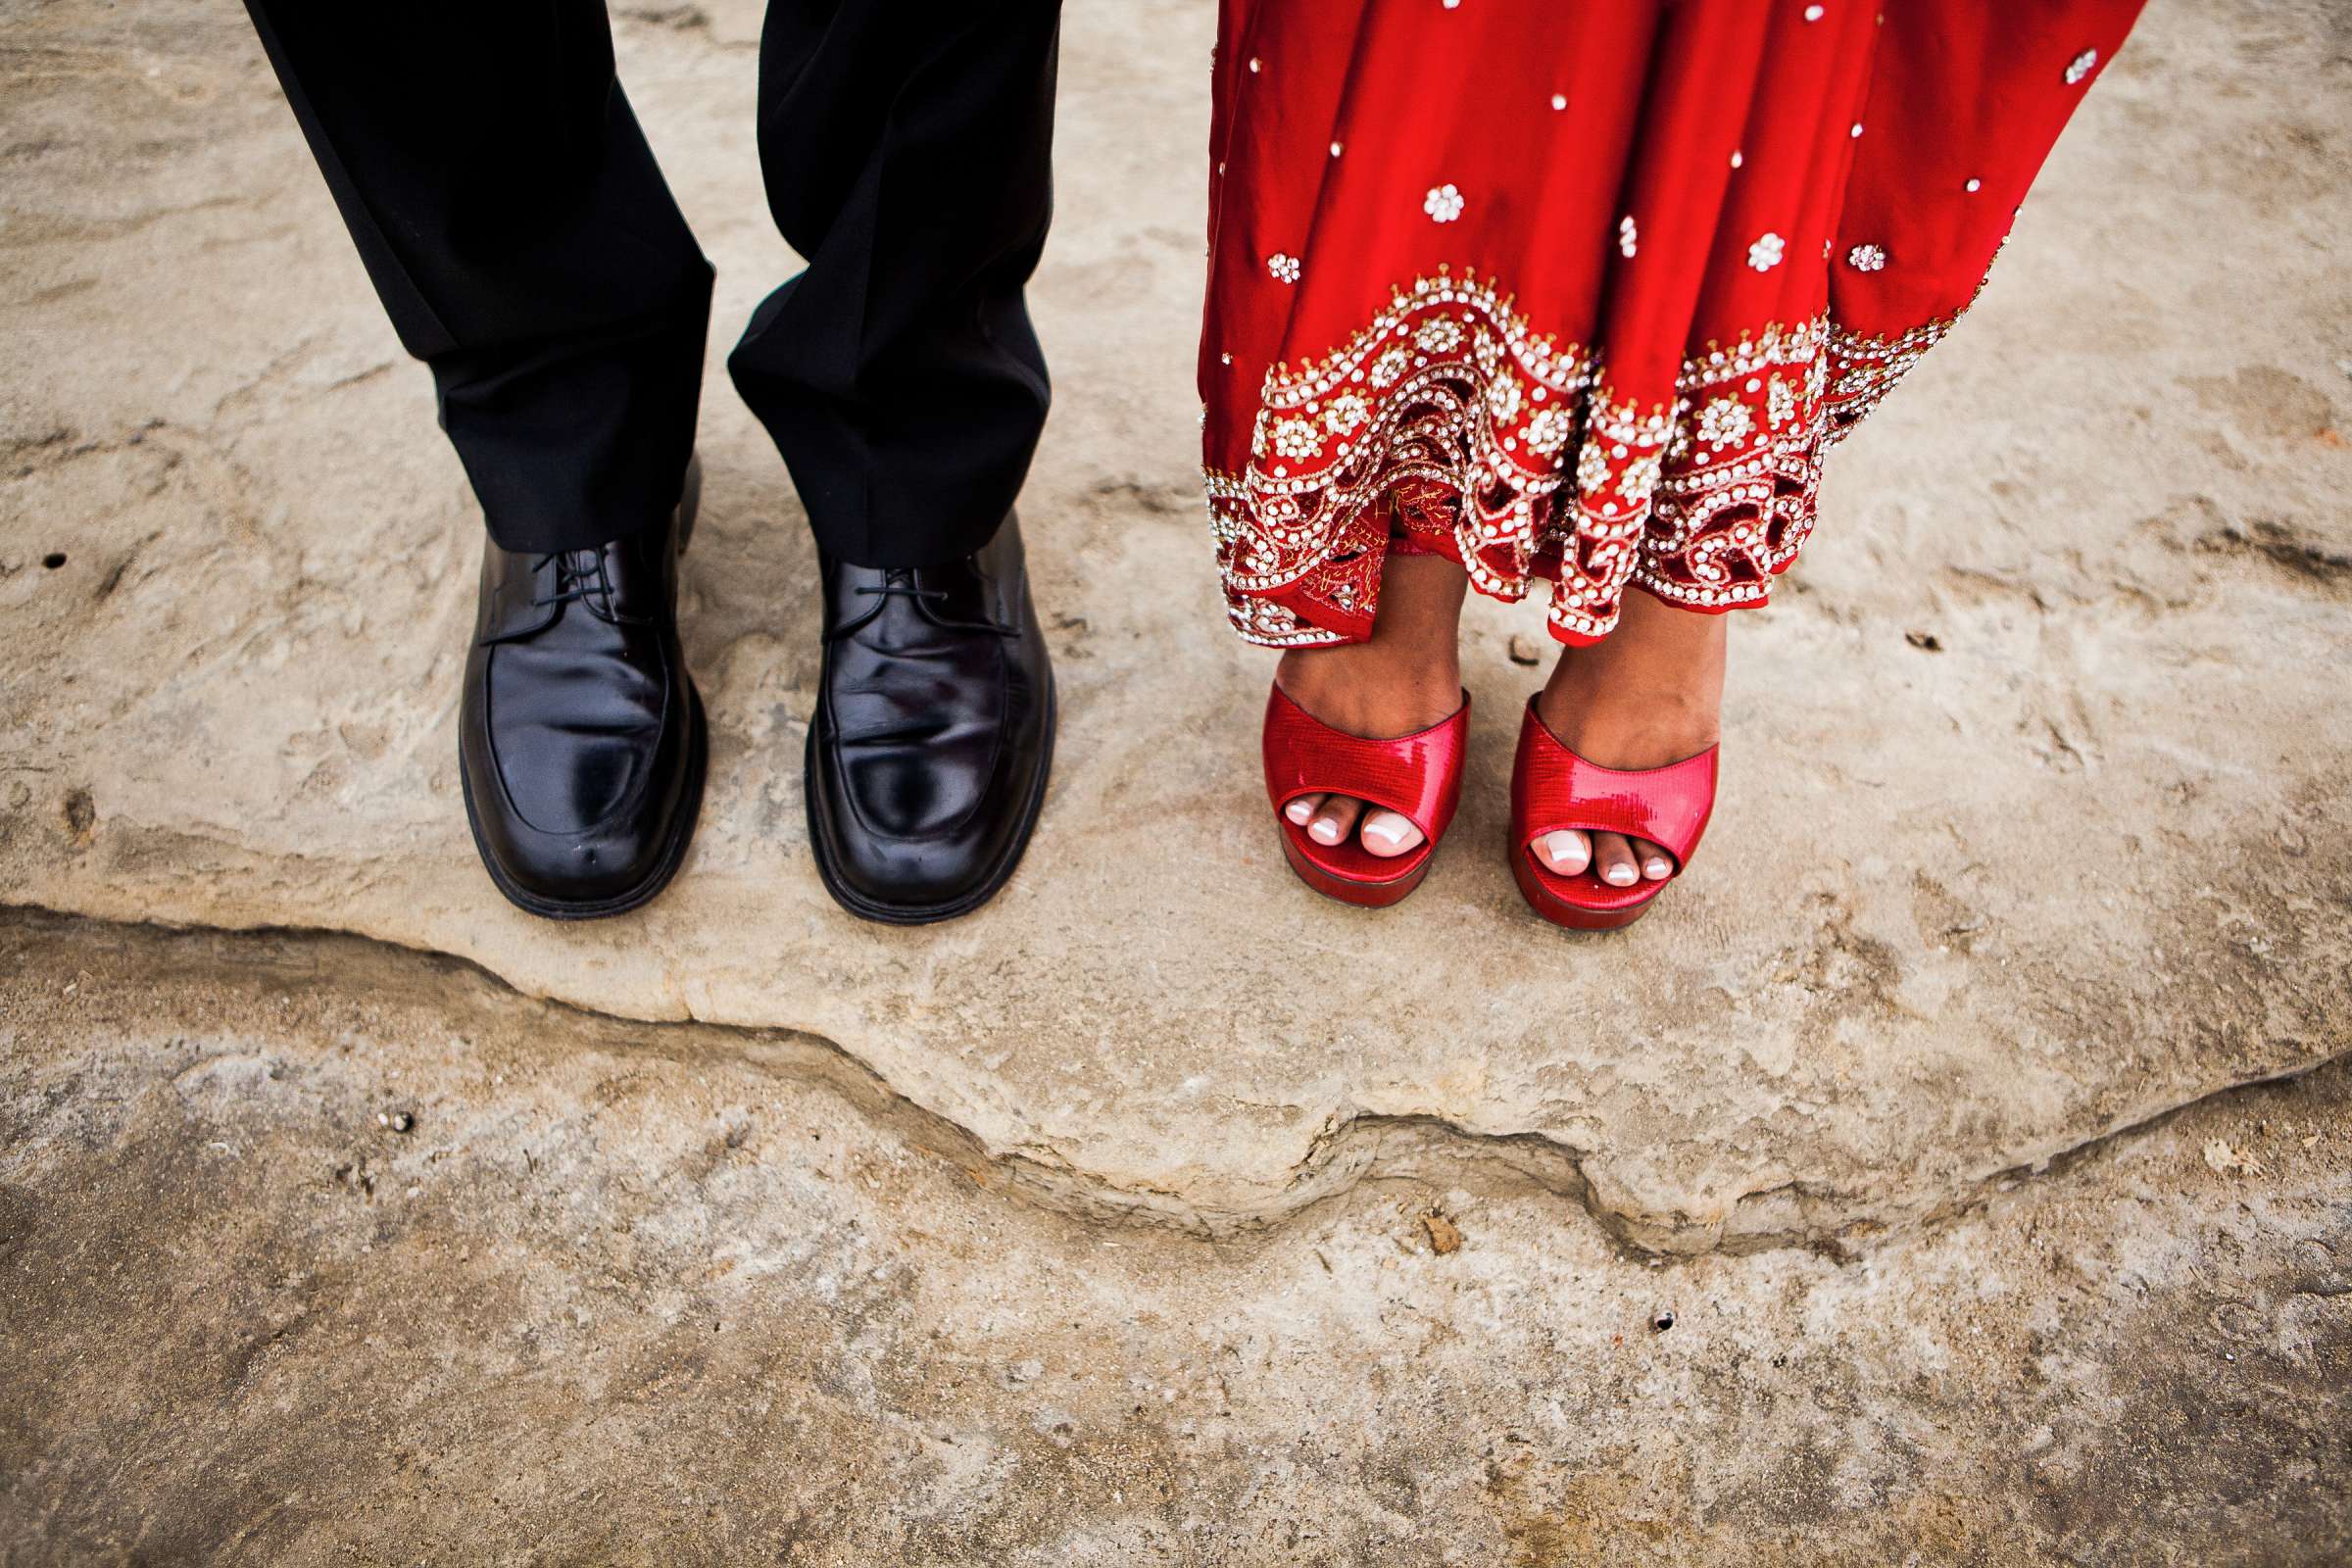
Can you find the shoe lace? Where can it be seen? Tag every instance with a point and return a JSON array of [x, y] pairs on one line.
[[573, 581], [900, 583]]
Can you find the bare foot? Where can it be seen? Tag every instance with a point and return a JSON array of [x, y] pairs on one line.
[[1407, 677], [1649, 694]]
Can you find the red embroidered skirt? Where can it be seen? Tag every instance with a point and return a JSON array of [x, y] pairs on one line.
[[1583, 289]]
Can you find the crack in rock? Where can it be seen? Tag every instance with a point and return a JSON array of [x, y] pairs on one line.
[[1348, 1150]]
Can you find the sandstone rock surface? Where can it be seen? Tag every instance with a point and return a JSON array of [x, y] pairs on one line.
[[2078, 859], [317, 1251]]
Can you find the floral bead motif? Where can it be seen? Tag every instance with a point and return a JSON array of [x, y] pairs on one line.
[[2081, 65], [1285, 269], [1765, 253], [1548, 431], [1866, 257], [1640, 479], [1296, 438], [1724, 421], [1629, 237], [1443, 203], [1591, 467], [1438, 336]]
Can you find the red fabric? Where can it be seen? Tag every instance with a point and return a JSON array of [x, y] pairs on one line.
[[1592, 282]]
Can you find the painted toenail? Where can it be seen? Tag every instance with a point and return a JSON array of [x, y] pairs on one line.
[[1657, 868], [1325, 831], [1386, 832], [1297, 811], [1621, 874]]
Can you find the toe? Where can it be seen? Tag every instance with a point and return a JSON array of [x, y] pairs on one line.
[[1656, 865], [1301, 810], [1613, 861], [1335, 819], [1565, 852], [1388, 833]]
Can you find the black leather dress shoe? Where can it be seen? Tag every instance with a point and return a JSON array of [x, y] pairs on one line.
[[933, 735], [582, 739]]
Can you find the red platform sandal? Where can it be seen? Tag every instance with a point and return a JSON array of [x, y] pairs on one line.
[[1552, 788], [1419, 776]]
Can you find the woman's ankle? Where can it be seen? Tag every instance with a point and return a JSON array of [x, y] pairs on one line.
[[1407, 676], [1370, 691], [1649, 694]]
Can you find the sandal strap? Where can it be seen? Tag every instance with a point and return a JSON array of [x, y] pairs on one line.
[[1419, 776], [1553, 789]]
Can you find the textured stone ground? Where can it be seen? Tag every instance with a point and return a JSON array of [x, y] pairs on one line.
[[2032, 832], [680, 1293]]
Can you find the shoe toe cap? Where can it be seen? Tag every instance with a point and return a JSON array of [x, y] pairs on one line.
[[924, 875], [608, 865], [911, 876], [579, 870]]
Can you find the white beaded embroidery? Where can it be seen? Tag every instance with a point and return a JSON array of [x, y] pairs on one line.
[[1629, 237], [1591, 467], [1438, 334], [1765, 253], [1866, 257], [1284, 268], [1443, 203], [1724, 420], [2081, 65], [1296, 438], [1509, 446]]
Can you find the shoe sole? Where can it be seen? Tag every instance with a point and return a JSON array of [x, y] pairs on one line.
[[1348, 890], [1573, 916], [820, 847], [673, 853]]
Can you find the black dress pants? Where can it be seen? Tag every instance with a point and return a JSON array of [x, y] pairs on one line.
[[520, 232]]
